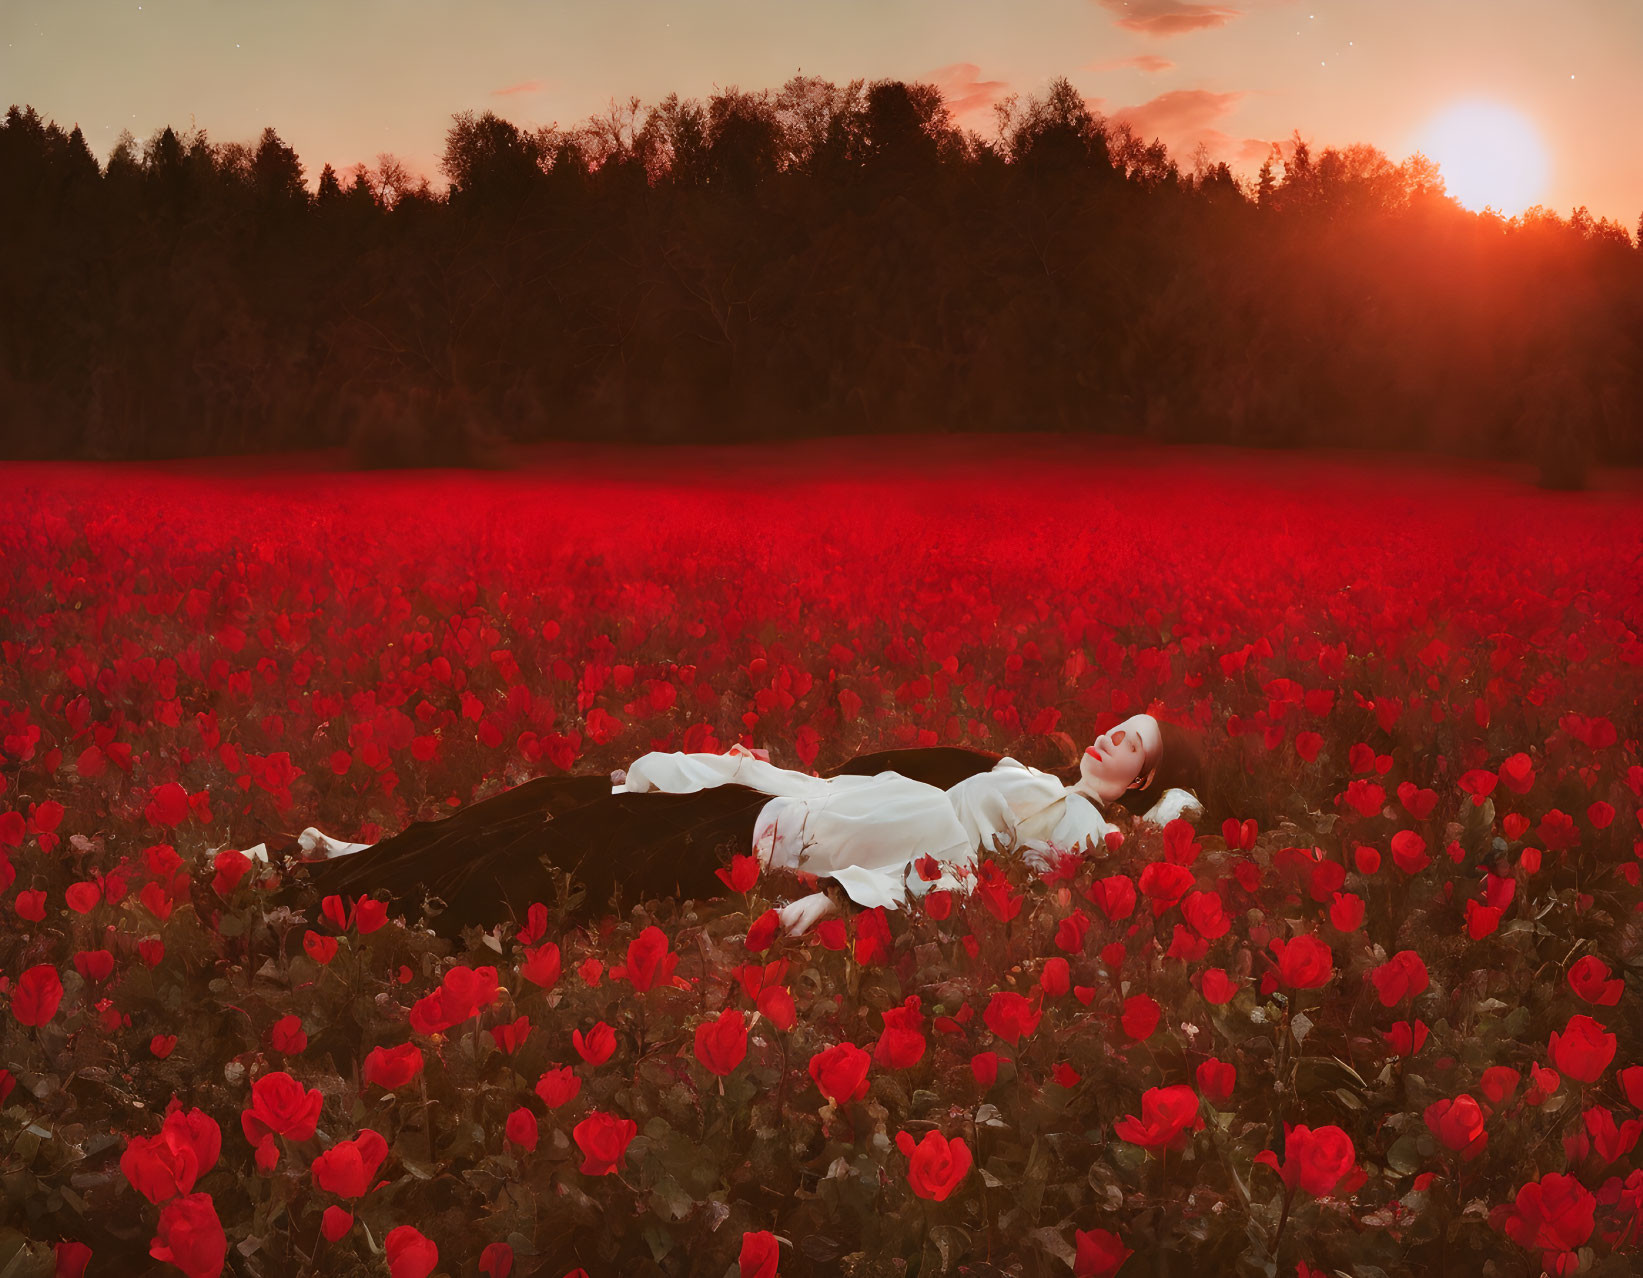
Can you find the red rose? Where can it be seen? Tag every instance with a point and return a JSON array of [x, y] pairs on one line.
[[1205, 915], [496, 1261], [1482, 920], [1315, 1159], [1542, 1083], [510, 1037], [603, 1140], [1589, 978], [1405, 1039], [840, 1072], [82, 898], [322, 949], [1115, 896], [1100, 1254], [168, 806], [167, 1165], [1140, 1018], [521, 1129], [1346, 912], [984, 1065], [1056, 978], [763, 931], [1401, 976], [938, 904], [1583, 1051], [1304, 963], [1552, 1215], [1458, 1125], [72, 1259], [834, 934], [873, 939], [1165, 883], [95, 966], [1611, 1142], [721, 1044], [542, 965], [1367, 859], [287, 1036], [650, 962], [190, 1236], [1069, 933], [1011, 1016], [410, 1255], [281, 1106], [998, 896], [1216, 1079], [935, 1165], [1498, 1083], [759, 1254], [1217, 987], [392, 1067], [777, 1005], [349, 1166], [162, 1045], [1167, 1115], [1409, 852], [558, 1086], [335, 1222], [370, 915], [1517, 774], [902, 1043], [742, 874], [39, 991], [462, 993], [31, 904], [596, 1048]]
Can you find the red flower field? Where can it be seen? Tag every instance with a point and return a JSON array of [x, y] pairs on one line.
[[1378, 1024]]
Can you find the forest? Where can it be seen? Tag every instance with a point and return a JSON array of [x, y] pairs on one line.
[[818, 260]]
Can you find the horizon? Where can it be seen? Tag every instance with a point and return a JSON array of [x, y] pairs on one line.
[[1524, 96]]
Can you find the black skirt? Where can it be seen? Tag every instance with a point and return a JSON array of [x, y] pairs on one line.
[[490, 860]]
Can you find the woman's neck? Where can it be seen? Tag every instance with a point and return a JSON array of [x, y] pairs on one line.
[[1083, 787]]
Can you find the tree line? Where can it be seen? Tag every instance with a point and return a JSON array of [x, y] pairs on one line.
[[821, 259]]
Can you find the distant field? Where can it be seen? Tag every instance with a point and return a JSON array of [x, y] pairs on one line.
[[1426, 659]]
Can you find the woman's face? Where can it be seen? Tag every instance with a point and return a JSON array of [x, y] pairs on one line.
[[1121, 757]]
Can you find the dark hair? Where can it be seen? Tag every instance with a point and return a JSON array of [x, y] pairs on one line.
[[1186, 763]]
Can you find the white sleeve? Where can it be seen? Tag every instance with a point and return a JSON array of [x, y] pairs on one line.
[[884, 885], [1081, 822]]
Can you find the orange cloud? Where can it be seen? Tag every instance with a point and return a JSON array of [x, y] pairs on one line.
[[963, 89], [527, 86], [1185, 117], [1168, 17], [1141, 62]]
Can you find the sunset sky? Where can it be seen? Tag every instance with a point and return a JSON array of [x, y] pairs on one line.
[[345, 80]]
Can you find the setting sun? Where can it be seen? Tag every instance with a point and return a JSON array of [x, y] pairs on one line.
[[1491, 156]]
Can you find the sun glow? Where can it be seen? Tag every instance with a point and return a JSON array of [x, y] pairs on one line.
[[1491, 156]]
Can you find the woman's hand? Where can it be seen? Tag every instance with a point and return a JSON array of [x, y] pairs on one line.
[[798, 917], [1174, 803]]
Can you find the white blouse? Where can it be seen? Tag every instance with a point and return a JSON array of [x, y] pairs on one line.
[[865, 832]]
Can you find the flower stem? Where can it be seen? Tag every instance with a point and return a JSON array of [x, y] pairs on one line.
[[1283, 1219]]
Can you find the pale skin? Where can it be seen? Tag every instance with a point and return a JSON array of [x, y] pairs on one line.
[[1120, 759]]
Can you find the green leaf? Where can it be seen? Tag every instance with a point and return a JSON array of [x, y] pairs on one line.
[[1404, 1157], [669, 1200], [951, 1242]]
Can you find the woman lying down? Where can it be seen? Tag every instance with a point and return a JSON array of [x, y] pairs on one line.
[[666, 824]]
